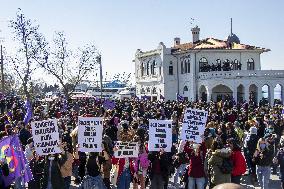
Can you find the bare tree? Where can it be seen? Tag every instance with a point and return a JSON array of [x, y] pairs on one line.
[[32, 48], [68, 68], [124, 78]]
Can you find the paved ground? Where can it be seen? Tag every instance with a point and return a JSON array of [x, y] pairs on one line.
[[274, 183]]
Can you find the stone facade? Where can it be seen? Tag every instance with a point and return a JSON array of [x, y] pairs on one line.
[[208, 69]]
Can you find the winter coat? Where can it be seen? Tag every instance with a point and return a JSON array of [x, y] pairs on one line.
[[164, 161], [280, 159], [239, 163], [214, 162], [121, 162], [66, 168], [106, 165], [36, 167], [57, 180], [141, 161], [250, 144], [266, 160]]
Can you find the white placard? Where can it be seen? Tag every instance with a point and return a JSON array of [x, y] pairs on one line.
[[90, 130], [46, 137], [160, 135], [193, 125], [126, 149]]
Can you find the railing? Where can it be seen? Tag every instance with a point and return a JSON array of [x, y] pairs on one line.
[[241, 73]]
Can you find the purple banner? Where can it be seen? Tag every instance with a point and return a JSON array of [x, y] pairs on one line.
[[11, 152]]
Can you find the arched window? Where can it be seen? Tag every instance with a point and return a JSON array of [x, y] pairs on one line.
[[235, 64], [171, 68], [154, 67], [226, 65], [250, 64], [185, 89], [148, 89], [218, 65], [142, 69], [203, 64], [154, 91], [182, 68], [185, 67], [188, 66], [148, 68], [142, 91]]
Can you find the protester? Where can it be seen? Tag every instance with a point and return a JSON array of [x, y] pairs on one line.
[[93, 179], [238, 160], [228, 126], [36, 166], [219, 155], [263, 159], [196, 157]]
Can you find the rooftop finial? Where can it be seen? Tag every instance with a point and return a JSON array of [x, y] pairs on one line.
[[231, 26]]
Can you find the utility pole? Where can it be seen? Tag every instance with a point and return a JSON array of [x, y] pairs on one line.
[[99, 60], [2, 71], [2, 66]]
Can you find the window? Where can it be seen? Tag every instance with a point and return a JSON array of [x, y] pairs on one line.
[[235, 64], [142, 91], [188, 66], [154, 67], [154, 91], [250, 64], [142, 69], [171, 68], [185, 65], [227, 65], [148, 89], [160, 70], [218, 65], [148, 67], [185, 89], [181, 65], [203, 65]]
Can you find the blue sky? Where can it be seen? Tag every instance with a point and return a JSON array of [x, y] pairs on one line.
[[119, 27]]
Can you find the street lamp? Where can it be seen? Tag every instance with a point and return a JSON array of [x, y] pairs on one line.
[[99, 60]]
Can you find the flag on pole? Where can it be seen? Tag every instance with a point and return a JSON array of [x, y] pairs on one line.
[[180, 98], [11, 152], [29, 112], [109, 104]]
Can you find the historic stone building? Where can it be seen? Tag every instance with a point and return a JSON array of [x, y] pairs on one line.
[[205, 69]]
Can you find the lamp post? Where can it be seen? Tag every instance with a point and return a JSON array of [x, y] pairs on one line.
[[2, 66], [99, 60]]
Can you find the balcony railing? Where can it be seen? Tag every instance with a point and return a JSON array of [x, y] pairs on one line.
[[241, 73]]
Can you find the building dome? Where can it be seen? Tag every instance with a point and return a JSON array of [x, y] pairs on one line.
[[233, 38]]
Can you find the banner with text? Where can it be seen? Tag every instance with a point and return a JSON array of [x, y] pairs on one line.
[[126, 149], [46, 137], [193, 126], [90, 130], [160, 135]]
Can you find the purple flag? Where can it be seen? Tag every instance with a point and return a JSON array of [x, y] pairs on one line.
[[12, 153], [109, 104], [180, 98], [29, 112]]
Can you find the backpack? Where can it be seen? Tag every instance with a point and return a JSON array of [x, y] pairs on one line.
[[227, 166]]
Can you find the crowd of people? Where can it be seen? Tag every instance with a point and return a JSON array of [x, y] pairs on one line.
[[239, 139], [227, 66]]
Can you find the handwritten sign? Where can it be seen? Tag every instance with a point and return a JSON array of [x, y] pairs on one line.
[[90, 130], [46, 137], [193, 126], [160, 135], [126, 149]]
